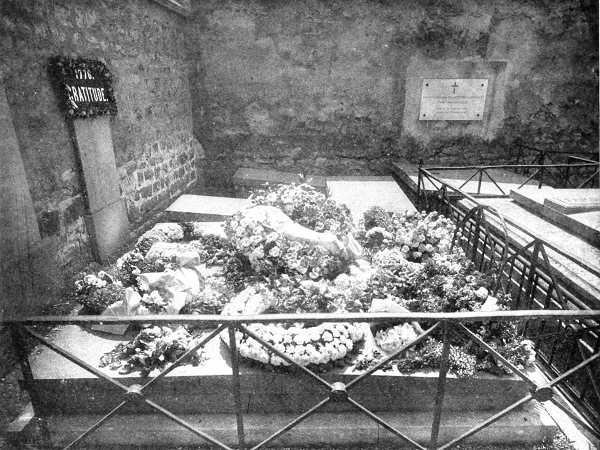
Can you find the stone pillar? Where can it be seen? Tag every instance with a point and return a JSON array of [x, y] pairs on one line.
[[19, 232], [106, 212]]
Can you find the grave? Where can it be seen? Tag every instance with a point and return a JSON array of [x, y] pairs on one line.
[[575, 210], [247, 179], [582, 276], [203, 208], [73, 399], [359, 193]]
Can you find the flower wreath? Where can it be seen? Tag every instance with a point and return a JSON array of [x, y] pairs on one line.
[[61, 68], [305, 346]]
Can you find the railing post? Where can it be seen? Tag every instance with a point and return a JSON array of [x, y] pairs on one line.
[[419, 193], [237, 395], [36, 431], [441, 388]]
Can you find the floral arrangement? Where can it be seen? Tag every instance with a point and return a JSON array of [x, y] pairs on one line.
[[323, 344], [307, 207], [270, 254], [97, 292], [164, 232], [212, 299], [153, 348], [408, 262], [446, 282], [418, 235]]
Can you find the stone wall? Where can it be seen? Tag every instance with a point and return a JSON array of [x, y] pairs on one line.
[[319, 86], [142, 43]]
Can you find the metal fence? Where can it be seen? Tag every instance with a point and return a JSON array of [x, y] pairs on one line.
[[446, 323], [562, 320], [527, 269], [555, 166]]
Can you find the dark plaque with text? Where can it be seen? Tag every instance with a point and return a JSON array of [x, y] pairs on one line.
[[84, 87]]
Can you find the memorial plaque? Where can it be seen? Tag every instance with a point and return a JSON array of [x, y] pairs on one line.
[[84, 87], [453, 98]]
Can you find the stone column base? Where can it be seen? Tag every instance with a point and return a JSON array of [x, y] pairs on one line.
[[108, 229]]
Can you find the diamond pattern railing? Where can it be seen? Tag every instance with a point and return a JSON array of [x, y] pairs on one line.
[[448, 323], [527, 269]]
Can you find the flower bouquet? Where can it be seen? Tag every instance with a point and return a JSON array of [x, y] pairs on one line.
[[153, 348], [97, 292]]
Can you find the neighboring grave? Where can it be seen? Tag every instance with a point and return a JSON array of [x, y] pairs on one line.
[[571, 201], [453, 98], [204, 208], [247, 179], [361, 193], [575, 210]]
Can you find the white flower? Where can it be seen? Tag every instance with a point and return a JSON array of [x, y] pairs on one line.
[[278, 361], [275, 252], [343, 281], [327, 336], [303, 360], [482, 293], [299, 339], [490, 305], [279, 348], [300, 350]]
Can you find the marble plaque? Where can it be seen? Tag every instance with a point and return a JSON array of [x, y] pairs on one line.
[[453, 98]]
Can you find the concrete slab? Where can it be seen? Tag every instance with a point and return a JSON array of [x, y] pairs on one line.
[[505, 180], [19, 231], [360, 193], [584, 224], [66, 388], [108, 228], [106, 218], [246, 179], [204, 208], [526, 426]]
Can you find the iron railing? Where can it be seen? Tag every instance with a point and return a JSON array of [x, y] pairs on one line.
[[554, 175], [587, 177], [536, 275], [446, 323]]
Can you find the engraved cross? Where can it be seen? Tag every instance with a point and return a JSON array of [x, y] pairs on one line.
[[454, 87]]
